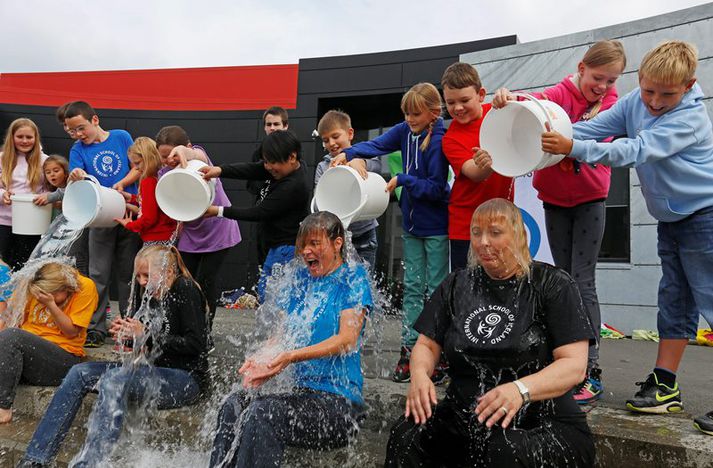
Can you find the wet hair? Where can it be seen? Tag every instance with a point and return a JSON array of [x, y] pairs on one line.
[[332, 120], [168, 259], [82, 108], [279, 112], [172, 135], [61, 161], [322, 222], [147, 149], [671, 62], [8, 162], [423, 97], [500, 209], [54, 277], [278, 146], [460, 75], [60, 112]]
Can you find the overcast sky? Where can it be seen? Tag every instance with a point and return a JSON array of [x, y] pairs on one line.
[[60, 35]]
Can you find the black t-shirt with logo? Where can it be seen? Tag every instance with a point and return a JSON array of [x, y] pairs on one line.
[[496, 331]]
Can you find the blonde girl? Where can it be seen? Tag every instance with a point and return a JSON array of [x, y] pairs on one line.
[[49, 338], [152, 224], [424, 203], [21, 162], [171, 323], [574, 194]]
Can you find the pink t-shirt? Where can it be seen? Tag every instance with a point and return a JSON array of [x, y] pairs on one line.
[[19, 185]]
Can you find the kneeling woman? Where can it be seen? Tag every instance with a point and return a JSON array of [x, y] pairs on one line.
[[516, 336], [177, 344], [325, 308], [49, 339]]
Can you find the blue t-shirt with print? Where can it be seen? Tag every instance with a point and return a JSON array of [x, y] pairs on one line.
[[108, 161], [5, 292], [313, 306]]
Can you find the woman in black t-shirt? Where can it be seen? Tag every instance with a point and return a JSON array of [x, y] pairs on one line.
[[516, 337]]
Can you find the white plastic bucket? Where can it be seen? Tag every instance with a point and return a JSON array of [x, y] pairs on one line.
[[87, 203], [28, 218], [342, 191], [183, 194], [513, 135]]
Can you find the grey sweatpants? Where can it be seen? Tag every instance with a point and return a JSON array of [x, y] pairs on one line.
[[26, 356], [111, 249], [575, 237]]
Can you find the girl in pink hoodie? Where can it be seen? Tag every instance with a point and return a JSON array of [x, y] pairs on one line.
[[573, 194]]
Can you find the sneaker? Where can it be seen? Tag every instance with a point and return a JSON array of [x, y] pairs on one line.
[[591, 389], [402, 373], [655, 397], [440, 373], [704, 423], [94, 339]]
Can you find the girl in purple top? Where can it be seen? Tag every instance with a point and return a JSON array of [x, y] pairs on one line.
[[203, 243]]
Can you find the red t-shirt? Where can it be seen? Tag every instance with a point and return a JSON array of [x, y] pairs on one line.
[[152, 224], [466, 195]]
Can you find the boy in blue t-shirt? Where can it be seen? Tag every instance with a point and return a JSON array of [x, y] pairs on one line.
[[670, 143], [103, 154]]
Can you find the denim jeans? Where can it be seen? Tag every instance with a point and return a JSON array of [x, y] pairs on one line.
[[685, 292], [365, 244], [277, 255], [169, 388], [253, 430]]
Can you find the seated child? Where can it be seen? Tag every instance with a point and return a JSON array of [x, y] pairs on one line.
[[335, 130]]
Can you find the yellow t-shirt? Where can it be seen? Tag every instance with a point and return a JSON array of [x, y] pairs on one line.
[[80, 308]]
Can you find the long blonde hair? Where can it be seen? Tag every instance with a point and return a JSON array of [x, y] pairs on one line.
[[423, 97], [146, 148], [8, 162], [168, 259]]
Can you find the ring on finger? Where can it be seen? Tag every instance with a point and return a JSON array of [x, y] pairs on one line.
[[504, 410]]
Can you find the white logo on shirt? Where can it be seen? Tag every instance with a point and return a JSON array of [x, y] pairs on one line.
[[489, 325], [107, 163]]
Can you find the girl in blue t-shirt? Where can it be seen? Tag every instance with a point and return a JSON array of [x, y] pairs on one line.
[[325, 305]]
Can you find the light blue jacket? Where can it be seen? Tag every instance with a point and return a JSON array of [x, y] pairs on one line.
[[672, 153]]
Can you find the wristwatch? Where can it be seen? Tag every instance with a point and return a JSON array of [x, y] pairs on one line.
[[524, 391]]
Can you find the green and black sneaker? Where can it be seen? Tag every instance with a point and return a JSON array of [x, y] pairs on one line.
[[704, 423], [655, 397]]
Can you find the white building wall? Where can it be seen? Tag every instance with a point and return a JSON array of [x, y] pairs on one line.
[[628, 291]]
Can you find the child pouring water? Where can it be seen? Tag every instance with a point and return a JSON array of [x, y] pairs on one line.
[[56, 171], [153, 225], [21, 162], [424, 203], [574, 194]]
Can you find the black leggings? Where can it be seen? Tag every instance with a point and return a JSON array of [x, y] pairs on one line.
[[26, 356], [15, 249], [452, 437], [204, 268]]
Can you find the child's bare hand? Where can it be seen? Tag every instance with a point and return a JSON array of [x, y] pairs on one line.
[[6, 197], [119, 187], [359, 165], [338, 160], [210, 172], [501, 98], [393, 183], [126, 195], [77, 174], [179, 152], [211, 211], [40, 200], [482, 158], [556, 143]]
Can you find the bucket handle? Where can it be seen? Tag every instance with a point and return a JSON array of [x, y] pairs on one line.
[[539, 104], [313, 205]]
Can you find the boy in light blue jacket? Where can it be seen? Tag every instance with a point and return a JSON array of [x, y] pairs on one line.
[[670, 143]]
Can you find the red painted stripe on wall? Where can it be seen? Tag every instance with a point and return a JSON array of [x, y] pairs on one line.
[[200, 89]]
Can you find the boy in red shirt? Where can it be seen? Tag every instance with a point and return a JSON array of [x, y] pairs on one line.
[[475, 180]]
